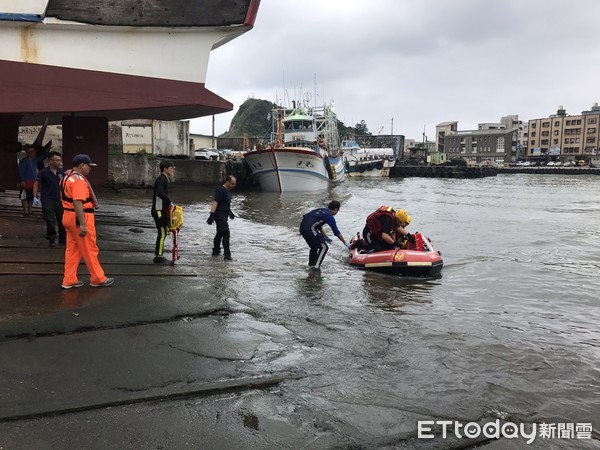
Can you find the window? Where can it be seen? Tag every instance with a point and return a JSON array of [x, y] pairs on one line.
[[555, 141], [555, 132], [591, 131], [592, 120], [544, 141], [533, 134], [499, 144], [556, 123], [545, 133], [545, 124]]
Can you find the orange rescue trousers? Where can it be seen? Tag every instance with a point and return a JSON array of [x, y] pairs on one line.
[[81, 247]]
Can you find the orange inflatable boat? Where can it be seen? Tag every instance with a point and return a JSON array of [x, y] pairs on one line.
[[419, 259]]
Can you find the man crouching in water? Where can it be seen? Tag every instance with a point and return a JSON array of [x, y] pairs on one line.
[[311, 230]]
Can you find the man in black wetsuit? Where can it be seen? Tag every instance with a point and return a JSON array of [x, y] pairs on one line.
[[160, 208], [220, 211]]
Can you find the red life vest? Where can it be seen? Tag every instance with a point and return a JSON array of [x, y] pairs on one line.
[[374, 223]]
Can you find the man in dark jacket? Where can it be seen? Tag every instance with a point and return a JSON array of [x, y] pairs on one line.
[[220, 211], [47, 185], [160, 208], [311, 230]]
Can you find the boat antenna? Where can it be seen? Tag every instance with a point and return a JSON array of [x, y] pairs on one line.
[[284, 90], [315, 87]]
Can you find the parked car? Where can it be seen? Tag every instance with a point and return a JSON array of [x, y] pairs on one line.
[[580, 163], [550, 163], [206, 154]]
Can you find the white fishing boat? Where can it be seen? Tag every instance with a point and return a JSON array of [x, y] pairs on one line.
[[367, 162], [304, 152]]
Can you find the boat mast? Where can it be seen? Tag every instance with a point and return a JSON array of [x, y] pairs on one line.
[[279, 128]]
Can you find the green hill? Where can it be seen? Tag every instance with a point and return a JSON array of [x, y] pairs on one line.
[[254, 118]]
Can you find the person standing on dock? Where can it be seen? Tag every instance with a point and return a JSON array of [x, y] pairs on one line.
[[47, 183], [220, 211], [28, 171], [160, 208], [311, 229], [79, 204]]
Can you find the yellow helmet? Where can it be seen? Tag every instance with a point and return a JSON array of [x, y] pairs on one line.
[[402, 216]]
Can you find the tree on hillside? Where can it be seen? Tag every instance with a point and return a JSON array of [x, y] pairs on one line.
[[361, 128]]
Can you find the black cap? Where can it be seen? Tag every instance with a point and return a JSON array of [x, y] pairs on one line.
[[82, 159]]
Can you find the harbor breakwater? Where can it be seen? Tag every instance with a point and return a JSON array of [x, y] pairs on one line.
[[442, 171], [480, 172]]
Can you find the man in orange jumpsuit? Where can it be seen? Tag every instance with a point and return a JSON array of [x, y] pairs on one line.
[[79, 203]]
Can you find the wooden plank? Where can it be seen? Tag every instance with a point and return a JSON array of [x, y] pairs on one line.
[[160, 13]]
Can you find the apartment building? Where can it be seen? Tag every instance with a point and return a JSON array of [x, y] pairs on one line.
[[563, 137]]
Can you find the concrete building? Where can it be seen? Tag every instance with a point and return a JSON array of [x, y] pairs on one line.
[[499, 142], [511, 122], [476, 146], [198, 141], [441, 131], [562, 137]]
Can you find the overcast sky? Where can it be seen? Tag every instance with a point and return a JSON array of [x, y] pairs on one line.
[[418, 62]]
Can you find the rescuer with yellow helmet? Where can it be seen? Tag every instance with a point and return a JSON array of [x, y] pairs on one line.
[[384, 227]]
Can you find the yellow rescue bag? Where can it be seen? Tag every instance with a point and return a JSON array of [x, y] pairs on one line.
[[175, 218]]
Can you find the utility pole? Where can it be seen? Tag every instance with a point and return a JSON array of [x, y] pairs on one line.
[[392, 128], [212, 141]]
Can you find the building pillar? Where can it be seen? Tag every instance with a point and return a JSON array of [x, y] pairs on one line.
[[9, 146], [88, 135]]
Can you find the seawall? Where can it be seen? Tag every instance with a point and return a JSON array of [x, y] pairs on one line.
[[141, 171]]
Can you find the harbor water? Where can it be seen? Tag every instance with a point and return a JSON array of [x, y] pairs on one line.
[[508, 331]]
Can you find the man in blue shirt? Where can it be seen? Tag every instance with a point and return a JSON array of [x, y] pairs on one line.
[[46, 182], [312, 231], [27, 174]]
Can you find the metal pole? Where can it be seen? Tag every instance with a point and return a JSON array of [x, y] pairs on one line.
[[213, 143]]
